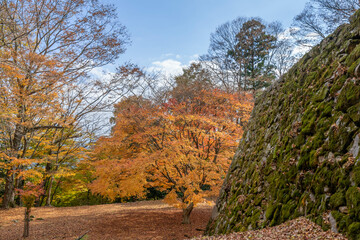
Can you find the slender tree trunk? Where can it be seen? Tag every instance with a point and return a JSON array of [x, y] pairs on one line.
[[57, 186], [19, 184], [43, 196], [186, 213], [48, 193], [88, 197], [26, 222], [9, 195]]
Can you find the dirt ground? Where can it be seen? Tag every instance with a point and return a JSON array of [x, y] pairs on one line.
[[139, 220]]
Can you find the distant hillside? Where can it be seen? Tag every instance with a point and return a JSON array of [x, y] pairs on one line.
[[300, 153]]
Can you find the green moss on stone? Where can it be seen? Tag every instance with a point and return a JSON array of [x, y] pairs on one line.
[[255, 218], [296, 161], [309, 126], [353, 201], [354, 230], [356, 175], [300, 140], [353, 66], [327, 111], [354, 113], [276, 217], [337, 200], [287, 210], [338, 85], [321, 94], [353, 56], [270, 210], [319, 221], [258, 200], [313, 160], [303, 163], [349, 96]]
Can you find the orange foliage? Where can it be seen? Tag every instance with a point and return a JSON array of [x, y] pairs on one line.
[[184, 147], [48, 49], [30, 193]]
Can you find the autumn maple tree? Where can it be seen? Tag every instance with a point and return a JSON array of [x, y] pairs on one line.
[[29, 194], [182, 146], [47, 52]]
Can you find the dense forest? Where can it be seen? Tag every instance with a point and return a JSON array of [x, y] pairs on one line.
[[170, 137]]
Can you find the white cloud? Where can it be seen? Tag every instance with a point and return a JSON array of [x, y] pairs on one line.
[[172, 67], [194, 61], [102, 73], [169, 67]]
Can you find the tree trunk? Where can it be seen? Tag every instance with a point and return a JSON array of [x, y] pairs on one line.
[[19, 184], [9, 195], [186, 213], [48, 193], [43, 196], [26, 222], [57, 186]]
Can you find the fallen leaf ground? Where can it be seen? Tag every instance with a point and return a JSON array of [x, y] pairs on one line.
[[139, 221], [297, 229]]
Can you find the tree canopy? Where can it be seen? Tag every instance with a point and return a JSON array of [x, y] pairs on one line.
[[180, 147]]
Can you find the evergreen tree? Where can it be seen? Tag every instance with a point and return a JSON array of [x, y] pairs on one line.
[[252, 52]]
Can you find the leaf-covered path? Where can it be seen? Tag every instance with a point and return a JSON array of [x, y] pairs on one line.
[[297, 229], [139, 220], [148, 220]]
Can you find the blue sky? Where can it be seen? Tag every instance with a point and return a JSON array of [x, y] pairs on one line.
[[168, 34]]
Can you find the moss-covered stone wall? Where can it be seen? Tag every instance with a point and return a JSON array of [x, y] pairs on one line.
[[299, 155]]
